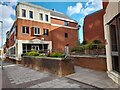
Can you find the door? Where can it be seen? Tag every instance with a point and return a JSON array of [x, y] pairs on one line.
[[115, 44]]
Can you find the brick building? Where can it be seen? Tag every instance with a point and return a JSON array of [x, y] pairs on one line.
[[38, 28], [93, 28]]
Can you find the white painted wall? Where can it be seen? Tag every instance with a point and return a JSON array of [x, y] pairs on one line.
[[35, 10], [111, 11], [35, 41]]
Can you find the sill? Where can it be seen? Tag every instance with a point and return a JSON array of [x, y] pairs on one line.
[[45, 35], [25, 33], [36, 34]]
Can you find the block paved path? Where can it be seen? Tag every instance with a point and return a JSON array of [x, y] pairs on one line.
[[17, 76]]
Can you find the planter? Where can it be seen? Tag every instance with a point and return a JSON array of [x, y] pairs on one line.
[[57, 66]]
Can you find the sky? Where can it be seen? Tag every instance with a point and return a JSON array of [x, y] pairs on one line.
[[74, 9]]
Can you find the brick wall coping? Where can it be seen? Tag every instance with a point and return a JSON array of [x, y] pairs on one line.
[[52, 58], [90, 56]]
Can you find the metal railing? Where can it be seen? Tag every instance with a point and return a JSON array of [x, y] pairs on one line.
[[88, 50]]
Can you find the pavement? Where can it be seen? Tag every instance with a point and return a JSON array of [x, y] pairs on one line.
[[91, 77], [17, 76], [0, 79]]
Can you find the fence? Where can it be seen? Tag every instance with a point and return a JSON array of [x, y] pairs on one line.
[[93, 49]]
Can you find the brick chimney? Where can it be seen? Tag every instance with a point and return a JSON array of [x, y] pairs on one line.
[[105, 3]]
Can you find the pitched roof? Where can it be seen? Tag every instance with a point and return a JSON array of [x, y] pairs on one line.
[[59, 14]]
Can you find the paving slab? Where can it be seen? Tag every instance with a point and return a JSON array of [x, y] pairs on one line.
[[17, 76], [95, 78]]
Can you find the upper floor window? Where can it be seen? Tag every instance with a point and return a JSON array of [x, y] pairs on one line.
[[65, 23], [23, 13], [45, 31], [25, 29], [66, 35], [41, 16], [36, 31], [46, 17], [31, 14]]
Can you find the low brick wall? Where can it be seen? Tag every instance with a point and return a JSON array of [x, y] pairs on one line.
[[95, 63], [58, 66]]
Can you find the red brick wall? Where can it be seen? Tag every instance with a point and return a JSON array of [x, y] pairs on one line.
[[21, 36], [93, 28], [59, 40], [95, 63], [56, 33], [11, 41]]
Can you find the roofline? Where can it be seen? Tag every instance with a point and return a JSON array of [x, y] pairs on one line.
[[40, 7], [63, 19], [94, 12]]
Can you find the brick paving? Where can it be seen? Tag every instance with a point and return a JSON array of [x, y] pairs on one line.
[[16, 76]]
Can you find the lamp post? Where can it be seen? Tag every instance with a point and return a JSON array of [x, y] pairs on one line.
[[2, 44]]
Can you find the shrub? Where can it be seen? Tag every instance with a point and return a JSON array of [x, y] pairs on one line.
[[41, 55], [32, 53], [84, 43], [75, 49], [96, 42], [56, 54]]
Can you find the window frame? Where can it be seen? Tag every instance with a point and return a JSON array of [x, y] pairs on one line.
[[47, 33], [41, 16], [23, 13], [36, 32], [65, 23], [31, 13], [46, 17], [66, 35], [25, 28]]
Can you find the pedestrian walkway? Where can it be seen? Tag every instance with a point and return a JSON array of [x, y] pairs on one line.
[[94, 78], [0, 79], [17, 76]]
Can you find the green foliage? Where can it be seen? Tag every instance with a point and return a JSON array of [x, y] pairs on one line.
[[56, 54], [32, 53], [41, 55], [75, 49], [96, 42], [84, 43]]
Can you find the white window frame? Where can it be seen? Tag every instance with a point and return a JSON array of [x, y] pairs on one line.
[[24, 12], [41, 19], [37, 28], [45, 32], [25, 30], [30, 14], [35, 47], [45, 17]]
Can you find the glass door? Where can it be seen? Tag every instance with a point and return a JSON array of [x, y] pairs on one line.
[[115, 44]]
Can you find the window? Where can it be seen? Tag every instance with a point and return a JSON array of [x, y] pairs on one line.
[[23, 13], [41, 16], [25, 29], [35, 47], [65, 23], [45, 31], [36, 31], [46, 17], [66, 35], [30, 14]]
